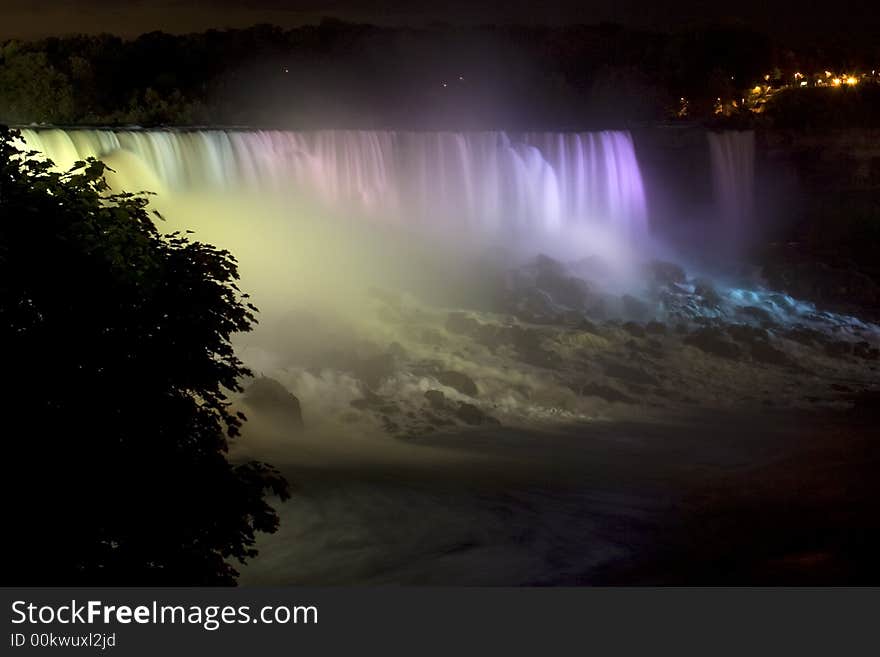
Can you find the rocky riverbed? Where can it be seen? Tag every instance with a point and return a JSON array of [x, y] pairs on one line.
[[570, 433]]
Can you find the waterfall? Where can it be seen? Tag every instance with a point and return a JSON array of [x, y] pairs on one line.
[[733, 176], [521, 185]]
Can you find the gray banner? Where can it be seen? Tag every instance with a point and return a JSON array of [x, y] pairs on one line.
[[417, 621]]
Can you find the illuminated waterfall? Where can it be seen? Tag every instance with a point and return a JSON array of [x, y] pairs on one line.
[[733, 176], [535, 183]]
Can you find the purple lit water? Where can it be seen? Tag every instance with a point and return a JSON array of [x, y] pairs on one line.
[[529, 185]]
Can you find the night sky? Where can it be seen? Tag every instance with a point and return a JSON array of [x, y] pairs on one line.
[[843, 19]]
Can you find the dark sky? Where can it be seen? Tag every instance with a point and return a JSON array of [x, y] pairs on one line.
[[36, 18]]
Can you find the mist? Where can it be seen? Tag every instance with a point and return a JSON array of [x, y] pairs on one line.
[[472, 324]]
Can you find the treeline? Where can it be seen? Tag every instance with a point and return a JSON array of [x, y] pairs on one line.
[[342, 74]]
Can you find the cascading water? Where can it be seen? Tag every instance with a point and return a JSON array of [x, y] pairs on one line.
[[386, 332], [522, 187], [733, 176]]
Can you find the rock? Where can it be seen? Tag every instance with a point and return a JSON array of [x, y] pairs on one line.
[[756, 313], [656, 328], [745, 333], [492, 336], [433, 337], [706, 291], [864, 350], [552, 278], [462, 324], [370, 400], [271, 397], [764, 352], [635, 308], [390, 425], [527, 343], [458, 381], [651, 347], [666, 273], [712, 341], [436, 399], [376, 369], [544, 264], [536, 306], [593, 266], [805, 336], [629, 374], [634, 329], [392, 299], [607, 393], [587, 326], [470, 414], [822, 283], [838, 349], [434, 421], [572, 318]]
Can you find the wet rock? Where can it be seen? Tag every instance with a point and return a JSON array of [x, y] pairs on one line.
[[270, 396], [535, 306], [712, 341], [629, 374], [572, 318], [666, 273], [436, 399], [473, 415], [634, 329], [707, 293], [433, 337], [435, 421], [652, 347], [764, 352], [552, 278], [392, 299], [463, 411], [864, 350], [369, 401], [376, 369], [598, 308], [805, 336], [866, 403], [607, 393], [529, 348], [462, 324], [492, 336], [373, 402], [745, 333], [822, 283], [390, 425], [757, 314], [458, 381], [635, 308], [588, 326], [838, 349]]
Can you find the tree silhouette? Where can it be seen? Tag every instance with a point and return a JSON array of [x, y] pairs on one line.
[[117, 363]]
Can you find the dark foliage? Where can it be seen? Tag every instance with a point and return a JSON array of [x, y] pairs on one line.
[[342, 74], [117, 363]]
